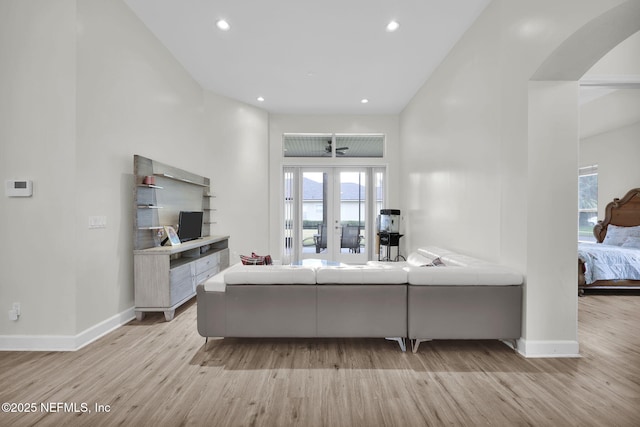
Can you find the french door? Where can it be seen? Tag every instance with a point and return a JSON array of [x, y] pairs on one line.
[[330, 212]]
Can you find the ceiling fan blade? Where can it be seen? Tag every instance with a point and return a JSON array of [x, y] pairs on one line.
[[339, 150]]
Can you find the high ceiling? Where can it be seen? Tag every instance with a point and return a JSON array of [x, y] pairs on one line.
[[311, 57]]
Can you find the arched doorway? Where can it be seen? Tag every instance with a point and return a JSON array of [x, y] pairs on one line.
[[553, 129]]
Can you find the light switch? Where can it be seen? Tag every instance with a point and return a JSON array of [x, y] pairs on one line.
[[97, 222]]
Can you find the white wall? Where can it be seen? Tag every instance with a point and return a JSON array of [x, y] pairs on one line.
[[616, 153], [132, 98], [551, 303], [88, 87], [280, 124], [238, 164], [451, 148], [466, 153], [37, 142]]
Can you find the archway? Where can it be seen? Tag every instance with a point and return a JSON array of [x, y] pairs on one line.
[[553, 135]]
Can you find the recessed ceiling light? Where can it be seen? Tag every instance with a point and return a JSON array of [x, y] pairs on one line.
[[260, 99], [223, 25], [364, 100], [393, 26]]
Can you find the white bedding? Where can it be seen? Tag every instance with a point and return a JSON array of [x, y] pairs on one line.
[[608, 262]]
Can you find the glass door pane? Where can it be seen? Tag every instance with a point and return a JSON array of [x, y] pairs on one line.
[[351, 217], [378, 204], [330, 213], [316, 230], [289, 211]]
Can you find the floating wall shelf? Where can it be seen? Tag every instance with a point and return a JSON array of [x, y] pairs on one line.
[[188, 181]]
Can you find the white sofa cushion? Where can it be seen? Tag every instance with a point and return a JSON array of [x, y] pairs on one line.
[[417, 259], [433, 252], [216, 283], [463, 276], [414, 259], [459, 270], [271, 274], [449, 258], [361, 275]]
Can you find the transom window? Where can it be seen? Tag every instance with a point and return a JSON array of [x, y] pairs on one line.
[[334, 145]]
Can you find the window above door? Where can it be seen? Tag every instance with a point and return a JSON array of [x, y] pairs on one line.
[[333, 145]]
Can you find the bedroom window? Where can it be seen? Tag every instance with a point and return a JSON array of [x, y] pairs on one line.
[[587, 202]]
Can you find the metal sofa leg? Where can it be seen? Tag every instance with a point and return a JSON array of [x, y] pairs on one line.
[[511, 342], [401, 342], [416, 343]]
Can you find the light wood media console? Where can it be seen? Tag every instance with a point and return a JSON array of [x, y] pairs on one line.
[[166, 276]]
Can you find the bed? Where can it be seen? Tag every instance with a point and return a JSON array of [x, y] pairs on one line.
[[614, 261]]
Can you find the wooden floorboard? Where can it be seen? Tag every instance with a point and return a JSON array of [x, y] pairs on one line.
[[159, 373]]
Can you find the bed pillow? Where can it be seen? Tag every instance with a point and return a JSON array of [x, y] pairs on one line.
[[631, 242], [616, 235]]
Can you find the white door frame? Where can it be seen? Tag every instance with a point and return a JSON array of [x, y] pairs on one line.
[[294, 251]]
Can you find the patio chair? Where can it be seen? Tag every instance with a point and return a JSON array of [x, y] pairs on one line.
[[351, 238], [321, 238]]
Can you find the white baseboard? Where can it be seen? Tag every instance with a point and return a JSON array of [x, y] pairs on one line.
[[65, 342], [548, 348]]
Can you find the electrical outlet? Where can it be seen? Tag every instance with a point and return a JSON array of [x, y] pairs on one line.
[[14, 313]]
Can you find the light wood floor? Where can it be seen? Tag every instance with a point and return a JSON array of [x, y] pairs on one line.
[[160, 374]]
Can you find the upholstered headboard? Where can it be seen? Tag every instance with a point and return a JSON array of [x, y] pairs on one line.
[[624, 212]]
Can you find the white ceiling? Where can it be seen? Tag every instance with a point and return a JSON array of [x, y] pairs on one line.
[[311, 57]]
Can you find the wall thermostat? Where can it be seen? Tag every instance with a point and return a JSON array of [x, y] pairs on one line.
[[18, 188]]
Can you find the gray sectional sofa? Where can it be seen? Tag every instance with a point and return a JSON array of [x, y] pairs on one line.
[[464, 299], [467, 298], [299, 301]]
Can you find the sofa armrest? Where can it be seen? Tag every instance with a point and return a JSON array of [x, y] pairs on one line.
[[211, 312]]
